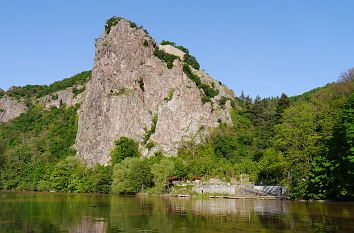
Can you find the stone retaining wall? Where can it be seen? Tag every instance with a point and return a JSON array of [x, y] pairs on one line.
[[239, 189]]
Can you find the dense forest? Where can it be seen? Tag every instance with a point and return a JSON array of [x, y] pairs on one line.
[[304, 142]]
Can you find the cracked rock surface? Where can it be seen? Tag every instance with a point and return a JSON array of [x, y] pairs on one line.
[[129, 87]]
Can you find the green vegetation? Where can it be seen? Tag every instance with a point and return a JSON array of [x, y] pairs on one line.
[[165, 57], [1, 94], [150, 145], [150, 132], [170, 95], [191, 60], [166, 42], [37, 91], [180, 47], [2, 110], [78, 91], [124, 148], [111, 22], [145, 44], [37, 155], [187, 58], [303, 142], [141, 84], [161, 171], [131, 176], [114, 21], [223, 101], [208, 91]]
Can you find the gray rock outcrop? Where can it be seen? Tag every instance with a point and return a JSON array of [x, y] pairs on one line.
[[10, 108], [130, 87], [63, 97]]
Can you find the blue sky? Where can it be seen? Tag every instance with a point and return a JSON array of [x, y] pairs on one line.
[[261, 47]]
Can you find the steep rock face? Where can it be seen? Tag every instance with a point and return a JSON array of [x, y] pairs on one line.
[[130, 88], [10, 108]]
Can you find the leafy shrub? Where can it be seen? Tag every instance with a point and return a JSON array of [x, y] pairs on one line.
[[1, 94], [78, 91], [132, 24], [123, 148], [165, 57], [223, 101], [166, 42], [141, 84], [2, 110], [170, 95], [150, 145], [146, 44], [111, 22], [131, 176], [206, 99], [180, 47], [191, 60], [152, 130], [208, 91]]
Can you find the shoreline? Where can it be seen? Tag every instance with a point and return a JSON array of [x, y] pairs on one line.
[[185, 196]]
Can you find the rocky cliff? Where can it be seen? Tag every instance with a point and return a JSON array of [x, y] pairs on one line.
[[134, 94]]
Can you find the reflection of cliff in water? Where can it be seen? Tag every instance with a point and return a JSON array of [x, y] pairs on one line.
[[88, 224], [46, 212], [228, 207]]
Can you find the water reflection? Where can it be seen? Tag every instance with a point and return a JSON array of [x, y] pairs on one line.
[[230, 206], [44, 212]]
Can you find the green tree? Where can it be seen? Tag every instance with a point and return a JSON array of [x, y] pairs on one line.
[[272, 167], [131, 176], [162, 171], [282, 104], [66, 174], [124, 148], [299, 139], [225, 146], [101, 178], [342, 151]]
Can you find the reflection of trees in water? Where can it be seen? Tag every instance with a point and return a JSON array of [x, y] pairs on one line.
[[180, 215], [33, 212], [48, 212]]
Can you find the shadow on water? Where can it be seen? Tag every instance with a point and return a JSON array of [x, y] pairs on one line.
[[55, 212]]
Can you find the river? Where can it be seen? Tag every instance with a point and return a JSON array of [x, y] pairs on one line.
[[56, 212]]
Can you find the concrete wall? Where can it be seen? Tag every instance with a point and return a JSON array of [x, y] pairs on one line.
[[239, 189], [225, 189]]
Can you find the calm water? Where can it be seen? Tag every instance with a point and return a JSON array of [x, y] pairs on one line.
[[49, 212]]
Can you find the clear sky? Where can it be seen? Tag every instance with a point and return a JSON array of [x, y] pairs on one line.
[[263, 47]]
